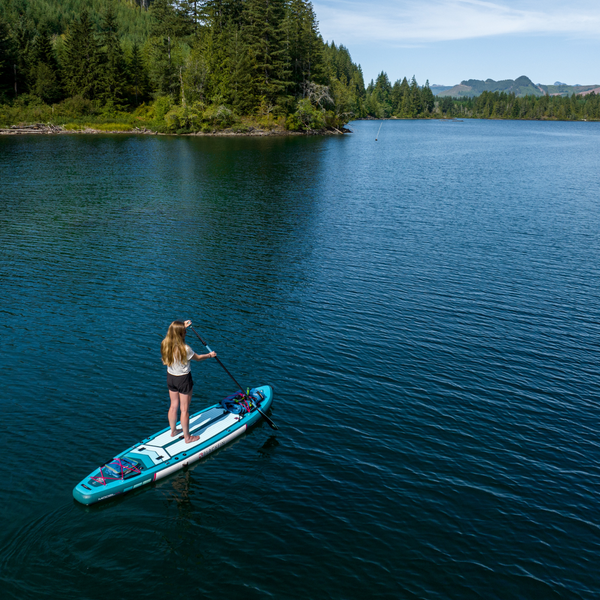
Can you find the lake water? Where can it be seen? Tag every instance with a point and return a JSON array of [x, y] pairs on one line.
[[426, 308]]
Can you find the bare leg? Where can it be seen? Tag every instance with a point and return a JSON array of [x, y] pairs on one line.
[[185, 400], [173, 410]]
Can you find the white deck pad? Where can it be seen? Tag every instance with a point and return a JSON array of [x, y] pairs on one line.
[[157, 455], [206, 425]]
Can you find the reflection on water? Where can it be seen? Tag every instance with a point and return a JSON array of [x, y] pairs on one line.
[[269, 447], [181, 494]]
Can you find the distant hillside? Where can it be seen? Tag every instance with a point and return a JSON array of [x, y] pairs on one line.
[[438, 89], [562, 89], [522, 86]]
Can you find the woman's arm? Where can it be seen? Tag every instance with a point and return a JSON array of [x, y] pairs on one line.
[[203, 356], [188, 323]]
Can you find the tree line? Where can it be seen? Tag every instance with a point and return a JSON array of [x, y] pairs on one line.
[[406, 99], [262, 57], [402, 99], [500, 105], [187, 65]]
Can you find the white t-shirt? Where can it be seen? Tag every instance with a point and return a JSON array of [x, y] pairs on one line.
[[178, 368]]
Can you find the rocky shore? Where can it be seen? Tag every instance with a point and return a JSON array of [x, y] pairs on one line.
[[38, 128], [48, 129]]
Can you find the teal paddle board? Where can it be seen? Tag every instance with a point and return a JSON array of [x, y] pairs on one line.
[[160, 454]]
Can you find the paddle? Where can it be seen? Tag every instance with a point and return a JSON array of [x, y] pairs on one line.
[[271, 424]]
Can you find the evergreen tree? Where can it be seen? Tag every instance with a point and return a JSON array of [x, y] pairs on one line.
[[138, 78], [170, 24], [382, 91], [427, 98], [345, 81], [6, 62], [407, 110], [268, 49], [357, 89], [195, 78], [396, 97], [83, 61], [446, 105], [195, 13], [22, 32], [114, 77], [44, 76], [383, 87], [42, 49], [222, 31], [415, 93], [400, 98], [240, 77], [304, 46]]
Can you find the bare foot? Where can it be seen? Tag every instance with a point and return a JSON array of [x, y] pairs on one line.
[[176, 432], [193, 438]]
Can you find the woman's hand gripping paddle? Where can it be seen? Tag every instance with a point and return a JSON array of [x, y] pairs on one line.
[[271, 424]]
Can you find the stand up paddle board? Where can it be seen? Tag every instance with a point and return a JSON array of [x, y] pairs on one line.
[[160, 454]]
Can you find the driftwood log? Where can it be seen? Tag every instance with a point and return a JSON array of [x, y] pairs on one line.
[[39, 128]]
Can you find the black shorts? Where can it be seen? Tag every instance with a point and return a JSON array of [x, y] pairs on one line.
[[180, 383]]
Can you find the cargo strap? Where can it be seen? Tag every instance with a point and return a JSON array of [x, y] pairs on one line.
[[117, 469], [240, 403]]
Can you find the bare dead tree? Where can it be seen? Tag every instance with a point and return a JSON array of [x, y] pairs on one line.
[[317, 94]]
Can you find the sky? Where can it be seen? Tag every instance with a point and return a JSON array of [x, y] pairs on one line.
[[447, 41]]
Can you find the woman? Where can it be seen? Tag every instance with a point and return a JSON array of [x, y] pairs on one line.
[[176, 354]]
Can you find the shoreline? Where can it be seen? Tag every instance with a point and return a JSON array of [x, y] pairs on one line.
[[44, 129], [49, 129], [466, 118]]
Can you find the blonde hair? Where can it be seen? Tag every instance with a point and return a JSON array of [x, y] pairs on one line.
[[172, 348]]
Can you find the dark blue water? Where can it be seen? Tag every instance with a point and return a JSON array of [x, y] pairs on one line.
[[426, 307]]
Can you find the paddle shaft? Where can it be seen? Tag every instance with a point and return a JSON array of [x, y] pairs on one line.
[[272, 425]]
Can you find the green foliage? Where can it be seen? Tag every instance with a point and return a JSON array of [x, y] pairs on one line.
[[97, 126], [82, 60], [56, 16], [304, 46], [202, 61], [500, 105], [345, 82], [6, 53], [166, 48], [403, 99], [44, 74], [113, 75], [427, 99], [307, 116], [409, 100], [161, 107], [76, 106], [137, 77], [196, 75], [218, 116], [44, 82], [267, 48]]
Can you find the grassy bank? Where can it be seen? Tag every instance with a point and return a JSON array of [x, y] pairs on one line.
[[161, 116]]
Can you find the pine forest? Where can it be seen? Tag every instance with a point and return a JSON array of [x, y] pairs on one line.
[[208, 65]]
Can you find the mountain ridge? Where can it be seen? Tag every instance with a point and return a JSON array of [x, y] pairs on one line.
[[521, 86]]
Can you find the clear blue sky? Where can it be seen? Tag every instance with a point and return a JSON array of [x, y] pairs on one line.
[[447, 41]]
